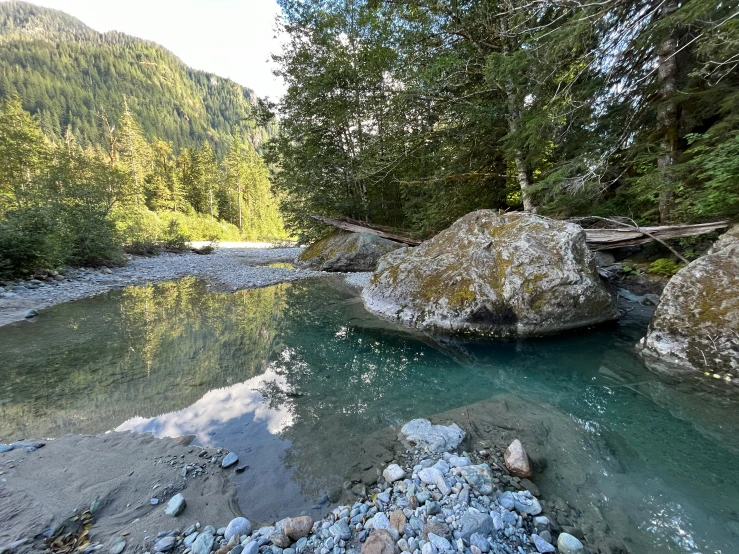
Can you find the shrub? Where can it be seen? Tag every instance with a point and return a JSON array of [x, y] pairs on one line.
[[663, 266]]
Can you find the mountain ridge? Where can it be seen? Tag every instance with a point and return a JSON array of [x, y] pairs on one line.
[[70, 76]]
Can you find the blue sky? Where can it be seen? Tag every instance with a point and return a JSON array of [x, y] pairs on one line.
[[232, 38]]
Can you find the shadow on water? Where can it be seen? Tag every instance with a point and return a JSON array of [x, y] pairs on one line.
[[306, 387]]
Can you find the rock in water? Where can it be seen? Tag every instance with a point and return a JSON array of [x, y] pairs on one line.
[[237, 526], [393, 473], [568, 544], [229, 460], [380, 542], [30, 314], [497, 275], [517, 461], [348, 252], [298, 527], [437, 438], [175, 506], [694, 328]]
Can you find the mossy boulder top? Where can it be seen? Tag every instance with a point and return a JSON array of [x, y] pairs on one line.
[[346, 252], [695, 329], [509, 275]]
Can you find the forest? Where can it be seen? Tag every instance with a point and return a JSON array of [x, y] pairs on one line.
[[412, 113], [110, 144]]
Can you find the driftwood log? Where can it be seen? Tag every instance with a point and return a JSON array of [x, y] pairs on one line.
[[597, 239]]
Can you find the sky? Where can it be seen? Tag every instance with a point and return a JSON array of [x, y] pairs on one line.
[[231, 38]]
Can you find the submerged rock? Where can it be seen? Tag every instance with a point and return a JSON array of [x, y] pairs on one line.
[[695, 327], [348, 252], [497, 275], [437, 438], [230, 459], [568, 544]]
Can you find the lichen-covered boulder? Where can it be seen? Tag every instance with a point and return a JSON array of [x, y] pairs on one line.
[[695, 329], [501, 275], [346, 252]]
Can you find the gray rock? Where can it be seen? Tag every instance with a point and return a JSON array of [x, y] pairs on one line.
[[229, 460], [694, 328], [165, 544], [526, 502], [437, 438], [190, 538], [209, 529], [568, 544], [475, 523], [380, 521], [440, 543], [479, 477], [203, 544], [541, 545], [480, 542], [498, 275], [459, 461], [28, 314], [346, 252], [249, 548], [118, 546], [175, 506], [393, 473], [237, 526], [429, 475], [507, 500], [340, 530], [221, 531]]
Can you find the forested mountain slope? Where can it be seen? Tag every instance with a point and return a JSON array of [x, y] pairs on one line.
[[72, 76]]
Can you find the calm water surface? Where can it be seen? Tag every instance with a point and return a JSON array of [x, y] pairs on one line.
[[303, 384]]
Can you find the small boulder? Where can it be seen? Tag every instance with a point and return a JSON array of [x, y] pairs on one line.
[[237, 526], [280, 540], [393, 473], [346, 252], [541, 545], [175, 506], [517, 461], [437, 438], [568, 544], [398, 520], [230, 459], [298, 527], [203, 544], [496, 275], [380, 541], [475, 523], [526, 503]]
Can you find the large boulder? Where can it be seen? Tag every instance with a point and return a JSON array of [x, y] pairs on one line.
[[695, 329], [346, 252], [501, 275]]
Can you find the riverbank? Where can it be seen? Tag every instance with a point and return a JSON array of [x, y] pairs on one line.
[[233, 267], [159, 495]]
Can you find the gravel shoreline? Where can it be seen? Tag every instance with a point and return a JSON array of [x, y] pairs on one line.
[[226, 269]]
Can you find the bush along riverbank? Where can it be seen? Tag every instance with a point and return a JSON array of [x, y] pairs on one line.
[[430, 501]]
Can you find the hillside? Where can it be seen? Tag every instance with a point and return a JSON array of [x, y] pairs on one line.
[[69, 75]]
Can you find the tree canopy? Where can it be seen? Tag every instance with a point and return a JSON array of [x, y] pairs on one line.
[[413, 112]]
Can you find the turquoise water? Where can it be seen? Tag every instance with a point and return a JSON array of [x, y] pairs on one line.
[[305, 385]]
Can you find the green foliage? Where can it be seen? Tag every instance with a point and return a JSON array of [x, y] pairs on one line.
[[70, 76], [663, 266], [411, 114]]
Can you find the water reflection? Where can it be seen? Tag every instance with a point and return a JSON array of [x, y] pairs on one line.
[[305, 385]]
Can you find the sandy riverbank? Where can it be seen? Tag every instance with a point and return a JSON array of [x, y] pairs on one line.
[[121, 472], [231, 267]]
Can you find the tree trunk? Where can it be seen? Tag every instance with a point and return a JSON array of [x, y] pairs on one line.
[[668, 118], [240, 220]]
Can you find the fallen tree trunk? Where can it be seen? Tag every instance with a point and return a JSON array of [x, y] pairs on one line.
[[604, 239], [597, 239], [348, 224]]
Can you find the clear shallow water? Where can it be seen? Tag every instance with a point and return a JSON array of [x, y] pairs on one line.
[[303, 384]]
